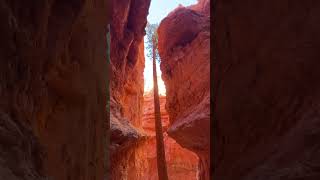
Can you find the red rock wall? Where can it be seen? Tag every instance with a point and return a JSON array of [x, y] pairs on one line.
[[266, 90], [181, 163], [136, 158], [53, 89], [128, 21], [184, 47], [148, 119]]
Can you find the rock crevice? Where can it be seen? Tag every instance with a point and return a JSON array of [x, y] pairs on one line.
[[184, 48]]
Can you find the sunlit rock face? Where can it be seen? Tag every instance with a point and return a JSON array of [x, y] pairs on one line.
[[202, 6], [133, 146], [184, 47], [266, 90], [128, 21], [53, 79], [148, 120], [181, 163], [136, 159]]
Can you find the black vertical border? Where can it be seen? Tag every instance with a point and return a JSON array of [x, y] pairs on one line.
[[213, 59]]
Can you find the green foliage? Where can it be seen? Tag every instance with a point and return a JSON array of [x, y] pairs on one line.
[[151, 32]]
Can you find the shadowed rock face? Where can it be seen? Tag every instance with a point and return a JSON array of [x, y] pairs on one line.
[[184, 47], [53, 85], [128, 20], [266, 90], [20, 153]]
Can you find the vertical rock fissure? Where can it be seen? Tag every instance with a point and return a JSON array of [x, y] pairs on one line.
[[161, 158], [135, 144], [184, 49]]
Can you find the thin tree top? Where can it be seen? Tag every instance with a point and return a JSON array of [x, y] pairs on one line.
[[152, 40]]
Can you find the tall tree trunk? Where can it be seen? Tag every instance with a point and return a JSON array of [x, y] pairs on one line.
[[161, 157]]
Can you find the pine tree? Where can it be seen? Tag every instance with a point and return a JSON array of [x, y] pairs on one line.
[[152, 44]]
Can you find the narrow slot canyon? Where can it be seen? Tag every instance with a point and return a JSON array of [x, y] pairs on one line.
[[55, 76], [58, 83], [71, 111], [184, 49], [181, 163]]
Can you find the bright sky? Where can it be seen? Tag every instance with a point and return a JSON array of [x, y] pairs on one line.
[[158, 10]]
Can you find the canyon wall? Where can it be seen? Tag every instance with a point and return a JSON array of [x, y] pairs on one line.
[[184, 48], [53, 89], [128, 21], [266, 90], [148, 119], [181, 163]]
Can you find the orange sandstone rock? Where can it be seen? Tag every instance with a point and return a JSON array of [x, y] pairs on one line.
[[181, 163], [184, 47], [128, 20]]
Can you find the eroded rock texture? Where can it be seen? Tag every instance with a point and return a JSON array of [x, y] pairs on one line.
[[20, 153], [53, 86], [266, 90], [181, 163], [129, 19], [184, 47], [148, 119]]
